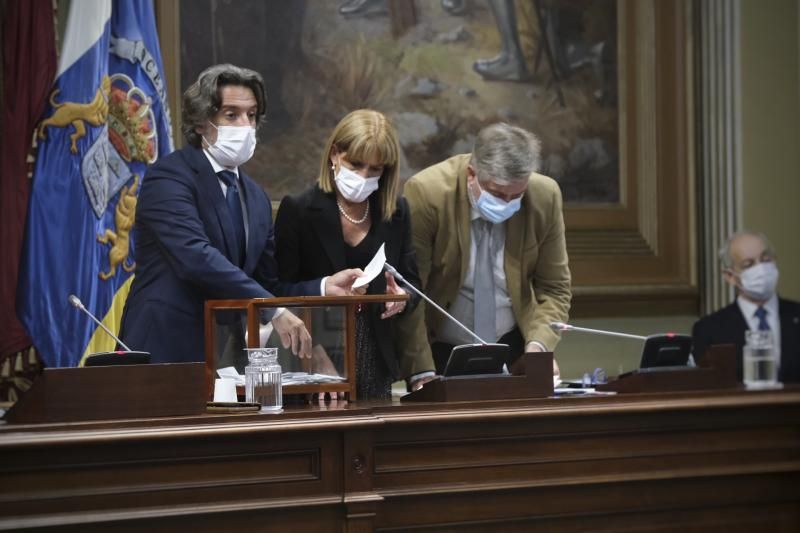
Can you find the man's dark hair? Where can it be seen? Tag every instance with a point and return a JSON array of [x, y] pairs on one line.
[[203, 99]]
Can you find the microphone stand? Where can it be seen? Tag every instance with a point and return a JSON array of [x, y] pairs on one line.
[[79, 305], [393, 271], [131, 357], [560, 326]]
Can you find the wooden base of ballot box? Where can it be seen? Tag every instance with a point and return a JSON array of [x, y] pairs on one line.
[[536, 383], [717, 370], [112, 392]]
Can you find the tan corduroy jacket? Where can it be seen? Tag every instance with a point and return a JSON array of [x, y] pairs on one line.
[[536, 265]]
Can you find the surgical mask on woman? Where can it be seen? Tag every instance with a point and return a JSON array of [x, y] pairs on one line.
[[234, 146], [494, 209], [353, 187], [759, 281]]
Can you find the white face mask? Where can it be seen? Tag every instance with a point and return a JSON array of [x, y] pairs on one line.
[[235, 145], [759, 281], [353, 187]]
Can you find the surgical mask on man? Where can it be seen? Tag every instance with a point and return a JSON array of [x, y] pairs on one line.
[[234, 146], [759, 281], [494, 209], [353, 187]]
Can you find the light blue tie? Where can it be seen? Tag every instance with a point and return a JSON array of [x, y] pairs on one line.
[[485, 308]]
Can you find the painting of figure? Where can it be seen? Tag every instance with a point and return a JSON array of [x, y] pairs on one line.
[[440, 69]]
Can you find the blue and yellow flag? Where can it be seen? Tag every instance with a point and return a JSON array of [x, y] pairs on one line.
[[107, 119]]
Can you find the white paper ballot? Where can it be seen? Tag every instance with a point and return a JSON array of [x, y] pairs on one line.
[[298, 378], [230, 372], [374, 268]]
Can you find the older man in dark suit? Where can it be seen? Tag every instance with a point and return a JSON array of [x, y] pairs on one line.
[[748, 264], [204, 228]]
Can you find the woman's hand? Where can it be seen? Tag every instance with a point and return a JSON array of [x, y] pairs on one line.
[[392, 308]]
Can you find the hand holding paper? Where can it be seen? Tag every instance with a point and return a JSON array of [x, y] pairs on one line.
[[341, 283], [374, 268]]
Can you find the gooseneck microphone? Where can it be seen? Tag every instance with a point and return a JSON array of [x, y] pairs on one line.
[[393, 271], [560, 326], [662, 351], [79, 305]]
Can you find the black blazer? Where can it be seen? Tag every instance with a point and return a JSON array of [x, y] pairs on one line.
[[183, 246], [727, 326], [309, 244]]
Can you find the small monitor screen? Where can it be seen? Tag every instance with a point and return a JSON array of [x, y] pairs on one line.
[[476, 359], [666, 350]]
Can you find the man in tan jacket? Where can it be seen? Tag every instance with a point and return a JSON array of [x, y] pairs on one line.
[[485, 224]]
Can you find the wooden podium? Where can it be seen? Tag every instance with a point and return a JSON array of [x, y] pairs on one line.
[[112, 392], [537, 382], [302, 306], [717, 370]]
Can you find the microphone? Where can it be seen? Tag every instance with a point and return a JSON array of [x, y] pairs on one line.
[[560, 326], [465, 359], [662, 351], [393, 271], [109, 358], [79, 305]]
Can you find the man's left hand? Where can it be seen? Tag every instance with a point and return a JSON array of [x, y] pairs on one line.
[[293, 333]]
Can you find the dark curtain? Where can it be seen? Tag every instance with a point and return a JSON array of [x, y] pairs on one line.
[[29, 67]]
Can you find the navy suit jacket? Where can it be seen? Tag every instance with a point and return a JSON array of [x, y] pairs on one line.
[[309, 244], [727, 326], [184, 239]]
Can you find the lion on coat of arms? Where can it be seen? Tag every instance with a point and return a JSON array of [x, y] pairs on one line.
[[124, 218], [77, 114]]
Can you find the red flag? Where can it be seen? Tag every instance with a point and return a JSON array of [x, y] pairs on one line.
[[29, 67]]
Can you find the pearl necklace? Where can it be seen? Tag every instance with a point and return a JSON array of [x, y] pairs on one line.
[[354, 221]]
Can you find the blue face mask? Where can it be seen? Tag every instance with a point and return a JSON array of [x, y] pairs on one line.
[[494, 209]]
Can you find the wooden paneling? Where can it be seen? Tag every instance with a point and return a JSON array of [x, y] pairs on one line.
[[710, 461]]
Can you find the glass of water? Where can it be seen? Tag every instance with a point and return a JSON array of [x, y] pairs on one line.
[[760, 360], [262, 379]]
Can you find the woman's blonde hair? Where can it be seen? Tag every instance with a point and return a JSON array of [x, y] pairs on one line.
[[366, 135]]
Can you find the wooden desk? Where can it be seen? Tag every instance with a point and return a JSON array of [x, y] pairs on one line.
[[716, 461]]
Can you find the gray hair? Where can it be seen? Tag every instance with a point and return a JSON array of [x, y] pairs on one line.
[[725, 250], [505, 153], [203, 99]]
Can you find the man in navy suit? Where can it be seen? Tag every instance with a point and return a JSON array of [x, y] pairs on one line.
[[748, 264], [204, 229]]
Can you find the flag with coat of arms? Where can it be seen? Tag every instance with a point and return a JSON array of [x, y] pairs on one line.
[[107, 119]]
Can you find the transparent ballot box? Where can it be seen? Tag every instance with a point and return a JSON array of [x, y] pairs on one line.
[[233, 326]]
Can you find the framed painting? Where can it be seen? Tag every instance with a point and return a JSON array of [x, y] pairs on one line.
[[603, 83]]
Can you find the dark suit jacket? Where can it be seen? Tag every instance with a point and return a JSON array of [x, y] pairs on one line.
[[727, 326], [183, 239], [309, 244]]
